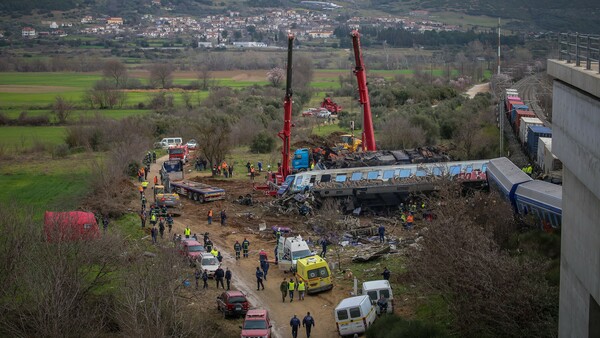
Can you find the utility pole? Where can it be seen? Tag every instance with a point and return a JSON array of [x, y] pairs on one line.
[[500, 113]]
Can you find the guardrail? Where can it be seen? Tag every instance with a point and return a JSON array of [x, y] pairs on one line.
[[579, 47]]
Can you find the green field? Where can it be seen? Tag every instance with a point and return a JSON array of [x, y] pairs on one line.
[[20, 138], [44, 184]]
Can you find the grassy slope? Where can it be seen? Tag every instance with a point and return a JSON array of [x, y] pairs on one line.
[[44, 184]]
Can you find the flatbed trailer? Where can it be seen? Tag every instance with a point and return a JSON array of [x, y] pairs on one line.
[[197, 191]]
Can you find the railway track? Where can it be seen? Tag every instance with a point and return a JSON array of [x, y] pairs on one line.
[[527, 88]]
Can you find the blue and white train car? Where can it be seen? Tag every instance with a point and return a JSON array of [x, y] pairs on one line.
[[505, 176], [307, 179], [542, 199]]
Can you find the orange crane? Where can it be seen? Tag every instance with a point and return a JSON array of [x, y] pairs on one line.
[[368, 135]]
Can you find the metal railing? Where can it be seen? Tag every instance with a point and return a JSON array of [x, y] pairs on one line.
[[579, 47]]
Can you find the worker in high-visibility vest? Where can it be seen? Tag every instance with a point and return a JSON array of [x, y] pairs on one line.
[[144, 185], [214, 252], [291, 288], [301, 289], [187, 232], [409, 221]]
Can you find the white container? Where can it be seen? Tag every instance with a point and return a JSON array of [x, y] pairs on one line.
[[525, 123], [544, 142]]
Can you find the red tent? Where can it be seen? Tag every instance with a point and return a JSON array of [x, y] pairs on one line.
[[70, 225]]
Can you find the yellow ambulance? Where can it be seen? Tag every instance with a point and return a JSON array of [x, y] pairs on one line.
[[315, 273]]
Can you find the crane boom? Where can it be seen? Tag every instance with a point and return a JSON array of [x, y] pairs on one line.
[[284, 169], [368, 135]]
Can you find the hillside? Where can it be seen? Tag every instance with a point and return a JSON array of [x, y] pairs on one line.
[[555, 15]]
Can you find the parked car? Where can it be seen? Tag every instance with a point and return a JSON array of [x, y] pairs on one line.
[[256, 324], [232, 303], [324, 113], [191, 248], [309, 112], [208, 262], [192, 144]]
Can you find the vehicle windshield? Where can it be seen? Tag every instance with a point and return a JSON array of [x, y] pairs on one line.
[[195, 248], [301, 254], [237, 299], [176, 151], [210, 261], [255, 325]]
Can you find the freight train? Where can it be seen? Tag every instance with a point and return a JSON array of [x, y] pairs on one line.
[[535, 138]]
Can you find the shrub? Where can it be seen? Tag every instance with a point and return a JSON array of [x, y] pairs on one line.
[[262, 143], [391, 326], [60, 151]]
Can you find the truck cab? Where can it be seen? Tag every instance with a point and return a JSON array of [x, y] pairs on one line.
[[289, 250], [315, 273], [301, 160], [377, 288], [164, 198], [179, 152]]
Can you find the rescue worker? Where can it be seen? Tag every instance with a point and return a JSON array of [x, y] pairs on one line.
[[324, 243], [141, 190], [153, 219], [153, 232], [208, 246], [259, 164], [170, 222], [220, 257], [248, 166], [205, 238], [382, 302], [301, 289], [219, 275], [262, 256], [197, 276], [265, 268], [153, 156], [278, 234], [291, 288], [238, 248], [195, 237], [308, 322], [252, 172], [155, 180], [214, 252], [223, 217], [409, 221], [143, 219], [312, 165], [381, 231], [283, 287], [386, 273], [187, 232], [228, 278], [205, 279], [295, 324], [259, 279], [161, 228], [143, 200], [245, 246], [144, 185]]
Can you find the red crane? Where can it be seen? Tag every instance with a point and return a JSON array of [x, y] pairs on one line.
[[284, 135], [368, 135]]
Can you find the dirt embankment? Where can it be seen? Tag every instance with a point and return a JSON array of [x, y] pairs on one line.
[[240, 226]]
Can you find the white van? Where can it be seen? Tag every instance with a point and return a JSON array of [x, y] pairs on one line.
[[377, 288], [166, 142], [289, 250], [354, 315]]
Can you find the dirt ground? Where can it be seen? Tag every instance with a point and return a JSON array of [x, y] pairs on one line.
[[238, 227], [479, 88]]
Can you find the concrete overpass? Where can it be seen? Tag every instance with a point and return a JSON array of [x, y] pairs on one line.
[[576, 141]]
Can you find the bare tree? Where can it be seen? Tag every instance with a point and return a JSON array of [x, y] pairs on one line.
[[205, 77], [161, 75], [104, 95], [463, 260], [215, 132], [275, 76], [62, 109], [116, 72], [399, 133]]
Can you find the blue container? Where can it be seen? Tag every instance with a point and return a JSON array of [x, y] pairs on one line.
[[533, 136], [513, 112]]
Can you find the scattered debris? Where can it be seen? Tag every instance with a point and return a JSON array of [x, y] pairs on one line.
[[369, 256]]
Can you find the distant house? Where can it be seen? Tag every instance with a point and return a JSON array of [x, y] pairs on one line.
[[156, 2], [320, 34], [114, 21], [205, 44], [53, 25], [87, 19], [28, 32], [249, 44]]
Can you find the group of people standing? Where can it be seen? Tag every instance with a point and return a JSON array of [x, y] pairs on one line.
[[223, 215]]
